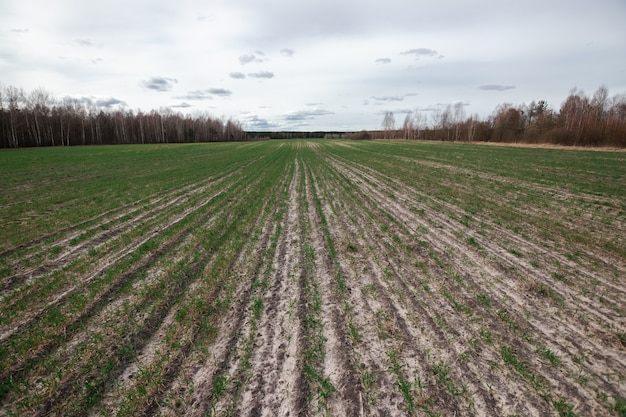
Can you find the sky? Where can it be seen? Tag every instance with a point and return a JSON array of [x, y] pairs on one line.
[[313, 65]]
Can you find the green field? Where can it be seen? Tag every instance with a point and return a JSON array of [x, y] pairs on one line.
[[312, 277]]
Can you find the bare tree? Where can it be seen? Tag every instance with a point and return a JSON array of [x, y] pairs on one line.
[[14, 97], [443, 121], [38, 103], [419, 123], [408, 127], [459, 115], [389, 125], [600, 102], [471, 123]]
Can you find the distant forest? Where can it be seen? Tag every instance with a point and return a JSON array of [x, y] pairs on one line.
[[597, 120], [38, 119]]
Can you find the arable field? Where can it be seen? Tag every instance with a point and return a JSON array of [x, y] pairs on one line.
[[312, 278]]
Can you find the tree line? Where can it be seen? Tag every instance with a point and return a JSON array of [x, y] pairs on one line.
[[582, 120], [38, 119]]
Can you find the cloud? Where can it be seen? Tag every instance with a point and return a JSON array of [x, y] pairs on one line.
[[182, 105], [422, 52], [287, 52], [159, 83], [98, 102], [19, 30], [496, 87], [384, 60], [237, 75], [83, 42], [254, 57], [219, 92], [262, 74], [196, 95], [388, 98], [246, 59], [206, 94], [256, 123], [109, 102], [301, 115]]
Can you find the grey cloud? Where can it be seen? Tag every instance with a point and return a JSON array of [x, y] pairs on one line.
[[87, 101], [18, 30], [159, 83], [262, 74], [384, 60], [109, 102], [256, 123], [98, 102], [246, 59], [496, 87], [197, 95], [306, 115], [206, 94], [421, 52], [388, 98], [96, 60], [219, 92], [237, 75], [287, 52]]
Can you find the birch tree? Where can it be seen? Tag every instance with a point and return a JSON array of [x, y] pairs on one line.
[[389, 125]]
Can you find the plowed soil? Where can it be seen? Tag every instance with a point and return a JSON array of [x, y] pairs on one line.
[[328, 278]]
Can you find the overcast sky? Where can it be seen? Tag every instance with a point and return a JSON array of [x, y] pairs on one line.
[[313, 65]]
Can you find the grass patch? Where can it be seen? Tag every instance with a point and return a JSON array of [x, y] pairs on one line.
[[552, 357]]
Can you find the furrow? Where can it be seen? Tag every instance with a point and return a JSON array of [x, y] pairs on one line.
[[340, 363], [120, 282], [407, 220], [392, 318], [273, 387]]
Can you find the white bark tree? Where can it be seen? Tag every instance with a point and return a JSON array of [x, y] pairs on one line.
[[408, 127], [389, 125]]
